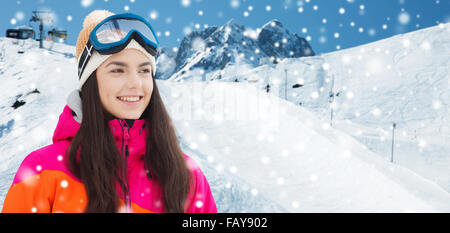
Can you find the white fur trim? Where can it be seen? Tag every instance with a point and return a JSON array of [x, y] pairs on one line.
[[97, 59]]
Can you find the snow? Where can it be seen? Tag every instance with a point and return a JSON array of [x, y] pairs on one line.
[[287, 155], [261, 153]]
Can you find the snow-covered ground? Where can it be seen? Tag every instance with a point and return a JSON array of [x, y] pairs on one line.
[[259, 152]]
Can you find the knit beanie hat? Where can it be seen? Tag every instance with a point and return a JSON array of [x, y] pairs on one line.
[[90, 22]]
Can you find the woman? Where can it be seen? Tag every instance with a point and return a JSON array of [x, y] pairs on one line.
[[114, 148]]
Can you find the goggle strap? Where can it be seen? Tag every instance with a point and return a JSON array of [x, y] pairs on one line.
[[87, 53]]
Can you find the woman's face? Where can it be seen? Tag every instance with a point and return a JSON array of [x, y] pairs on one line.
[[125, 83]]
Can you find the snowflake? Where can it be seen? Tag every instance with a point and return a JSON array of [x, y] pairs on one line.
[[350, 95], [185, 3], [254, 192], [86, 3], [20, 15], [403, 18], [234, 3], [64, 183], [153, 14], [280, 180]]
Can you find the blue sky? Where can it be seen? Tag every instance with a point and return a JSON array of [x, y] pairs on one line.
[[329, 25]]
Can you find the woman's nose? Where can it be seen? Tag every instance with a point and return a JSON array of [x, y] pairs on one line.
[[134, 81]]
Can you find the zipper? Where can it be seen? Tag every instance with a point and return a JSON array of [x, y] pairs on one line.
[[125, 152]]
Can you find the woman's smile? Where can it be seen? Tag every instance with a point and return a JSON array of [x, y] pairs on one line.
[[130, 100]]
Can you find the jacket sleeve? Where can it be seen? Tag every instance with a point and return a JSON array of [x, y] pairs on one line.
[[27, 193], [201, 199]]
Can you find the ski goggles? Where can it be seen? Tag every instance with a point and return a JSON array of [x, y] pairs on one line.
[[114, 33]]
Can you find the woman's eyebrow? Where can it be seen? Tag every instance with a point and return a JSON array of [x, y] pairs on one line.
[[124, 64], [116, 63], [145, 64]]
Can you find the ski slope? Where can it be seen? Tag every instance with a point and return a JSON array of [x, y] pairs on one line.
[[290, 156]]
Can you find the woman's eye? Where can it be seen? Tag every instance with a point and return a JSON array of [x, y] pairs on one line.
[[117, 71], [145, 71]]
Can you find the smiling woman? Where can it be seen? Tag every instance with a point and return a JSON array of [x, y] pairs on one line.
[[125, 83], [114, 148]]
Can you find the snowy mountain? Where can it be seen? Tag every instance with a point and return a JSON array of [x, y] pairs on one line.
[[259, 152], [214, 48]]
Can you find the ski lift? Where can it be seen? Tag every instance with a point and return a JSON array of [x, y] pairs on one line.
[[55, 34], [20, 33]]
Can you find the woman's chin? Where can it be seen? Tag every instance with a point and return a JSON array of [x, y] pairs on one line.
[[128, 115]]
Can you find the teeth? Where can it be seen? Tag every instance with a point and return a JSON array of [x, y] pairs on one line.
[[129, 98]]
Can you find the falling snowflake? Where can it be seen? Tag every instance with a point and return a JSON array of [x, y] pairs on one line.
[[86, 3], [403, 18], [185, 3], [234, 3], [376, 112], [280, 180], [64, 184], [20, 15], [254, 192], [154, 14], [199, 204]]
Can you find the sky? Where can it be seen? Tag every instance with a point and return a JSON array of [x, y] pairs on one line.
[[328, 25]]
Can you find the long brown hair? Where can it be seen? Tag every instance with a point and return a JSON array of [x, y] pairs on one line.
[[100, 161]]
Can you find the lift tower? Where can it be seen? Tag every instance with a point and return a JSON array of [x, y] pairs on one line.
[[41, 17]]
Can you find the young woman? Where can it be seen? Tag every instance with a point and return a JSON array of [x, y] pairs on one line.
[[114, 148]]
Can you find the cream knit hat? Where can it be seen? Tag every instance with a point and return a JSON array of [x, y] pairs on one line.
[[91, 20]]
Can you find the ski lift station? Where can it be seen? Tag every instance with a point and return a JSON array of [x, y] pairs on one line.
[[25, 32]]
